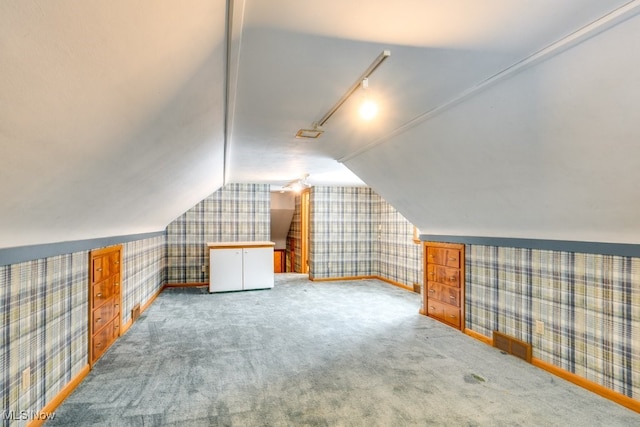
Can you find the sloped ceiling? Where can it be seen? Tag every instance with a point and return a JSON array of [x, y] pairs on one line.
[[111, 115], [498, 118]]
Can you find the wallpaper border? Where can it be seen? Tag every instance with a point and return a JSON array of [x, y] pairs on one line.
[[20, 254], [598, 248]]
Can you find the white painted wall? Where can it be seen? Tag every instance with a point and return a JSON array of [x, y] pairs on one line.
[[550, 153]]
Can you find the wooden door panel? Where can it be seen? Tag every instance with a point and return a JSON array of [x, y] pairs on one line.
[[444, 293], [101, 293]]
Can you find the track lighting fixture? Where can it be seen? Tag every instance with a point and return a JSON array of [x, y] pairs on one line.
[[369, 111]]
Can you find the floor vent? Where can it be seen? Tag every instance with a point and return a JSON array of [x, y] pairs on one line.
[[135, 313], [512, 346]]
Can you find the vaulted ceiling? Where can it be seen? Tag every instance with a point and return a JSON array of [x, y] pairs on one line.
[[497, 118]]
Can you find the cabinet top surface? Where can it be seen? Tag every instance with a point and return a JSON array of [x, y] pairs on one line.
[[218, 245]]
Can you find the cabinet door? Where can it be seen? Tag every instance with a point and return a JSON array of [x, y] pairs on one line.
[[100, 267], [258, 268], [101, 292], [114, 262], [447, 294], [452, 258], [225, 270], [278, 261]]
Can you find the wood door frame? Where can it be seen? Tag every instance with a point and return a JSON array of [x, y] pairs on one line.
[[304, 230]]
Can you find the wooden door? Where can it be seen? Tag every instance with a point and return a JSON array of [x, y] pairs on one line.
[[304, 244]]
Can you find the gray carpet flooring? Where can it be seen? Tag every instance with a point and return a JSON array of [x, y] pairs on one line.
[[304, 353]]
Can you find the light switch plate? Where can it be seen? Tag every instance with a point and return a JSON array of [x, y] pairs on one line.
[[26, 378]]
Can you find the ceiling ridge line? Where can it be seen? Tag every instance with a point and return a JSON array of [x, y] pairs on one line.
[[587, 31]]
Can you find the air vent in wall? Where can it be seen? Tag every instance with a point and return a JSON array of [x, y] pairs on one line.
[[135, 313], [512, 346]]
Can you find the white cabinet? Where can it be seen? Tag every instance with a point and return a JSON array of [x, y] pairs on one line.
[[238, 266]]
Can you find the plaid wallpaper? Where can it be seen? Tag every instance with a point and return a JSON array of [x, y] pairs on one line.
[[44, 327], [145, 271], [44, 324], [354, 232], [397, 257], [236, 212], [590, 306], [342, 221], [357, 233]]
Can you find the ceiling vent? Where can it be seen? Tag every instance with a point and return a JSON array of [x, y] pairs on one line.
[[310, 133]]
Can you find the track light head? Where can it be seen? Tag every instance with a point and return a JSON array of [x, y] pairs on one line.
[[363, 81]]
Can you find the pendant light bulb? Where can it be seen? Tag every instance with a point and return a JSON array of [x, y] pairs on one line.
[[368, 108]]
